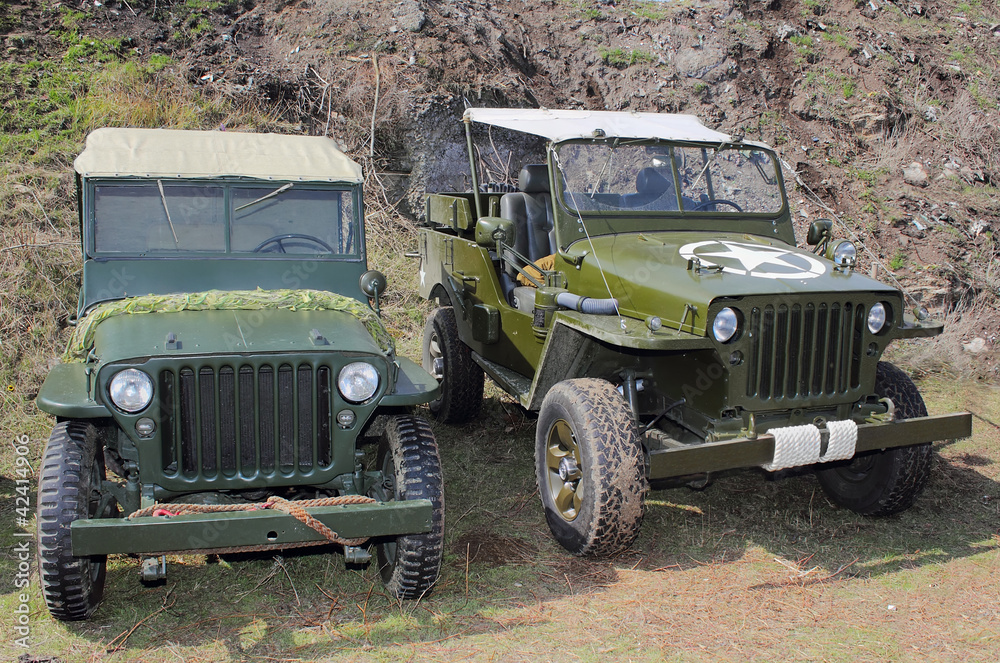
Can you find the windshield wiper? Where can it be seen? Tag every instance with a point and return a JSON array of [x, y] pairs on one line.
[[170, 223], [274, 193], [596, 185]]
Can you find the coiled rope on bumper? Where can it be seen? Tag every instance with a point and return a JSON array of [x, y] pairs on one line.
[[295, 509]]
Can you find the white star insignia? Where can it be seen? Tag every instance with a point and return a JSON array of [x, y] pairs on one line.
[[751, 259]]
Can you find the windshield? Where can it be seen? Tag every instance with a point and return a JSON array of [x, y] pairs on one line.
[[643, 176], [162, 218]]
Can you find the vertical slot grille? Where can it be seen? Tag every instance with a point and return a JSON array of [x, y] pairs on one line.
[[804, 350], [237, 420]]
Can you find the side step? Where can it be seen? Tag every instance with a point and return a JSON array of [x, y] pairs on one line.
[[510, 381]]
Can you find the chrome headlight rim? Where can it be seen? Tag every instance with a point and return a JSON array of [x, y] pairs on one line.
[[131, 390], [726, 325], [358, 382], [844, 252], [878, 318]]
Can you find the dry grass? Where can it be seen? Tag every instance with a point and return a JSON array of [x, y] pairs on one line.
[[747, 569]]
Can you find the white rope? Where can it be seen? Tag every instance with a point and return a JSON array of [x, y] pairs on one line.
[[794, 446], [843, 440]]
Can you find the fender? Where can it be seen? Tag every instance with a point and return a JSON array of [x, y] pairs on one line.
[[67, 392]]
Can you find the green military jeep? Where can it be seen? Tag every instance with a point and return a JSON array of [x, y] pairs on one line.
[[228, 386], [640, 288]]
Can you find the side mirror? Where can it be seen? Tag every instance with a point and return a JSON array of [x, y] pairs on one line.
[[820, 231], [373, 283], [492, 229]]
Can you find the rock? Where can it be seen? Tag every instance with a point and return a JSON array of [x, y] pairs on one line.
[[704, 63], [786, 31], [930, 114], [410, 16], [915, 174], [802, 105], [975, 346]]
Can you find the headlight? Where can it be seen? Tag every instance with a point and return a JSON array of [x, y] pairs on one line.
[[725, 325], [876, 318], [357, 381], [131, 390], [844, 253]]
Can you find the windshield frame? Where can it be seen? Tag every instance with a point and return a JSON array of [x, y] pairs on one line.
[[612, 221], [355, 235]]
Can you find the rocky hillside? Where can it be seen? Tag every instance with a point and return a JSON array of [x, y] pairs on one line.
[[885, 112]]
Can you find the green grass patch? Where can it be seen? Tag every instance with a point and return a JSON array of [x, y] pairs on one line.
[[622, 58]]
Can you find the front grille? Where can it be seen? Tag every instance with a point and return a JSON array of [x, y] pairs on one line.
[[807, 350], [233, 420]]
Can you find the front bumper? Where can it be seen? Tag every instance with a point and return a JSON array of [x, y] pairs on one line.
[[747, 452], [177, 534]]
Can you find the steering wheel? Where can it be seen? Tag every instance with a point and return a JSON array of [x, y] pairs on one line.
[[717, 201], [278, 239]]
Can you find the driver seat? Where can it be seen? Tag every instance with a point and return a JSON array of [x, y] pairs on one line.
[[650, 186]]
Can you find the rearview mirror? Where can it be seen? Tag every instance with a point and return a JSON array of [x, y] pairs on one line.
[[819, 231], [493, 229]]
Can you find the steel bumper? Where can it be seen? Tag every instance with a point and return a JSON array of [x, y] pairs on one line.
[[747, 452], [160, 534]]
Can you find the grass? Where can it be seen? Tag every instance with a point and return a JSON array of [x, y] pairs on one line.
[[622, 58], [747, 569]]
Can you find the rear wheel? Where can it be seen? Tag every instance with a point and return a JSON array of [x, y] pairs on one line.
[[450, 361], [411, 470], [881, 483], [69, 489], [590, 467]]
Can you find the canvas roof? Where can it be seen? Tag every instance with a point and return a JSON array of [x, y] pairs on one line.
[[559, 125], [163, 153]]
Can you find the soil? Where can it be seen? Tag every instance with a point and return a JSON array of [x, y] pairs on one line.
[[850, 92]]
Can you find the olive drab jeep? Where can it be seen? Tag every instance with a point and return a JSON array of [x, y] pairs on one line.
[[636, 282], [227, 373]]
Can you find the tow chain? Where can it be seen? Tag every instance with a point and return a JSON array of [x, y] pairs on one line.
[[295, 509]]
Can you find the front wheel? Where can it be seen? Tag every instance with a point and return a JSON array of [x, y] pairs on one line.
[[69, 489], [411, 470], [881, 483], [450, 361], [590, 467]]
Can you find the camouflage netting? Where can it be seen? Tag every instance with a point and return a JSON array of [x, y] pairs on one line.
[[219, 300]]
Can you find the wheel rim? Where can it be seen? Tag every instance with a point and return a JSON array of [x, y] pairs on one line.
[[437, 357], [386, 492], [563, 470], [96, 564]]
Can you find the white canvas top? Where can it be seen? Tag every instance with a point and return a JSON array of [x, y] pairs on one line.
[[559, 125], [197, 154]]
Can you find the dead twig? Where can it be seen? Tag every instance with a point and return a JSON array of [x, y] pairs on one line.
[[378, 81], [112, 647], [280, 563]]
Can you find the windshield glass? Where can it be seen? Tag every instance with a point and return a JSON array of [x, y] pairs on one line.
[[642, 176], [161, 218]]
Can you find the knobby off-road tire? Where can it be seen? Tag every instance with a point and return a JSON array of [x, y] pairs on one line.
[[69, 486], [590, 468], [460, 377], [881, 483], [411, 467]]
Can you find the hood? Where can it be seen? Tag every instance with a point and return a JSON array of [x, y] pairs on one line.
[[227, 332], [648, 272]]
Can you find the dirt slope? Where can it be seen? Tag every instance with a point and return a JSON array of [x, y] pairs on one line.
[[886, 111]]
